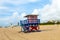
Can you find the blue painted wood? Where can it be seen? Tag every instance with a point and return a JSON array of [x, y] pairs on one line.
[[27, 22]]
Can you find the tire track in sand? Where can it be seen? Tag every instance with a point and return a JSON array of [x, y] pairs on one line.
[[14, 36], [3, 36]]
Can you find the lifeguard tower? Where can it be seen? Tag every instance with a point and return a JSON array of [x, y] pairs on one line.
[[30, 24]]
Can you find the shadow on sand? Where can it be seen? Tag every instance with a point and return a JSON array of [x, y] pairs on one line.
[[29, 31], [37, 31], [47, 30]]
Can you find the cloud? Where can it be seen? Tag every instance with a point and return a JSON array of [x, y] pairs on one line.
[[33, 0], [22, 16], [17, 2], [49, 11], [10, 19], [36, 11], [2, 7], [14, 18]]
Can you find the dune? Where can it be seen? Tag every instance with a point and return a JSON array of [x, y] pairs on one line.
[[48, 32]]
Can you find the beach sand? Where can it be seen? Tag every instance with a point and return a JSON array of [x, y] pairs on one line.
[[48, 32]]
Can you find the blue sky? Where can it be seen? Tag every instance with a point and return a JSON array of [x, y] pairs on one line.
[[11, 11]]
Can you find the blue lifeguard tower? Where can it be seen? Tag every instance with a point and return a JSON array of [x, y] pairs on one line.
[[30, 24]]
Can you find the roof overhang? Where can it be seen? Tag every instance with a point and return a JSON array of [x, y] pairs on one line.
[[30, 15]]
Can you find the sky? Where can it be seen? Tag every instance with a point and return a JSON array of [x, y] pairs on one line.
[[12, 11]]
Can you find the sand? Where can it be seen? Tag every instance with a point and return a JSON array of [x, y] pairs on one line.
[[48, 32]]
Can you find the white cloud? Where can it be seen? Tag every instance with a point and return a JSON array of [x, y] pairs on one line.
[[14, 18], [2, 7], [49, 11], [33, 0], [22, 16], [17, 2], [36, 11]]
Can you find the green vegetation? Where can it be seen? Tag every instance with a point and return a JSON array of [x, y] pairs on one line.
[[0, 26], [50, 23]]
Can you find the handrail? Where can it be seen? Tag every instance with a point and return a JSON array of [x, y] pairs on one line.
[[27, 21]]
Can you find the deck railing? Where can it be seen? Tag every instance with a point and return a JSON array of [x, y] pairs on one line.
[[30, 21]]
